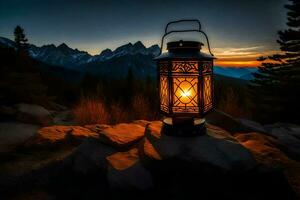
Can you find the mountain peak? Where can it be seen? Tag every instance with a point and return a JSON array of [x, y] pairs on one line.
[[65, 49], [124, 49], [106, 53], [139, 44], [63, 45], [48, 46], [154, 50]]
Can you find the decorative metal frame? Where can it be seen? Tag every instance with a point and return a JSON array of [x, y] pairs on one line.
[[196, 72]]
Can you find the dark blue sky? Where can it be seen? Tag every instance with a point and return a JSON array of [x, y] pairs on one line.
[[94, 25]]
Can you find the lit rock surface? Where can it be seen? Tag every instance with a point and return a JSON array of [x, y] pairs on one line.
[[123, 160], [122, 135], [148, 151], [286, 135], [60, 134]]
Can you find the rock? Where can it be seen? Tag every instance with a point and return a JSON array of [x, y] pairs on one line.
[[286, 135], [217, 148], [227, 122], [123, 160], [13, 133], [265, 150], [288, 138], [148, 152], [252, 125], [51, 134], [125, 172], [217, 165], [60, 134], [217, 132], [81, 132], [34, 114], [97, 127], [291, 129], [90, 156], [262, 146], [122, 135]]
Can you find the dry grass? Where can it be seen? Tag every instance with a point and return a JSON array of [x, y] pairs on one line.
[[141, 108], [94, 111], [119, 113], [91, 111]]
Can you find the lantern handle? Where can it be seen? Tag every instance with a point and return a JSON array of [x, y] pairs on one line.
[[186, 30], [183, 20]]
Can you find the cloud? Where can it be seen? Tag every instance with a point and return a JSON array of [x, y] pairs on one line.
[[241, 56], [241, 51]]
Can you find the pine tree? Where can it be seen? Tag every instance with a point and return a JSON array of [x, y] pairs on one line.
[[275, 89], [20, 38]]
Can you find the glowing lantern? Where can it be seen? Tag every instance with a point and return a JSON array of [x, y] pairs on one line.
[[185, 84]]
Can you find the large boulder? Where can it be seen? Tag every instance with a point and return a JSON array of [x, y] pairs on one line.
[[31, 113], [13, 134], [217, 148]]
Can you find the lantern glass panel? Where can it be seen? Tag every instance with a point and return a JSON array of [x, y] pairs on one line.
[[185, 87], [185, 91], [207, 92], [164, 93]]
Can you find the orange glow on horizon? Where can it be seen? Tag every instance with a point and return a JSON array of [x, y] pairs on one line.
[[241, 57], [235, 63]]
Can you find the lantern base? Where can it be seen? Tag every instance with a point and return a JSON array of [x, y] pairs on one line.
[[184, 129]]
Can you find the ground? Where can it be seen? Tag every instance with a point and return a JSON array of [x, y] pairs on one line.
[[235, 158]]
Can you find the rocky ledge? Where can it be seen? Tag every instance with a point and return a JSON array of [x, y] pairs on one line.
[[135, 160]]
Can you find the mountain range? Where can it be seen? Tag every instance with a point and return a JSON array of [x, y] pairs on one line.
[[116, 63]]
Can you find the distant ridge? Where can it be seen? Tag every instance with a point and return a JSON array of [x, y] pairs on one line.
[[134, 56], [63, 55]]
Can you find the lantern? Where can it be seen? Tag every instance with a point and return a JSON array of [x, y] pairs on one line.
[[185, 80]]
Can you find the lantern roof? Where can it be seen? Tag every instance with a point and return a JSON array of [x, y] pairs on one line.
[[184, 50]]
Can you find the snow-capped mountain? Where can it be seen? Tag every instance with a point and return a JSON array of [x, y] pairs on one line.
[[63, 55], [135, 56], [127, 49]]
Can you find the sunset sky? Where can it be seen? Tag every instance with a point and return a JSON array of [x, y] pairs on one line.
[[239, 31]]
